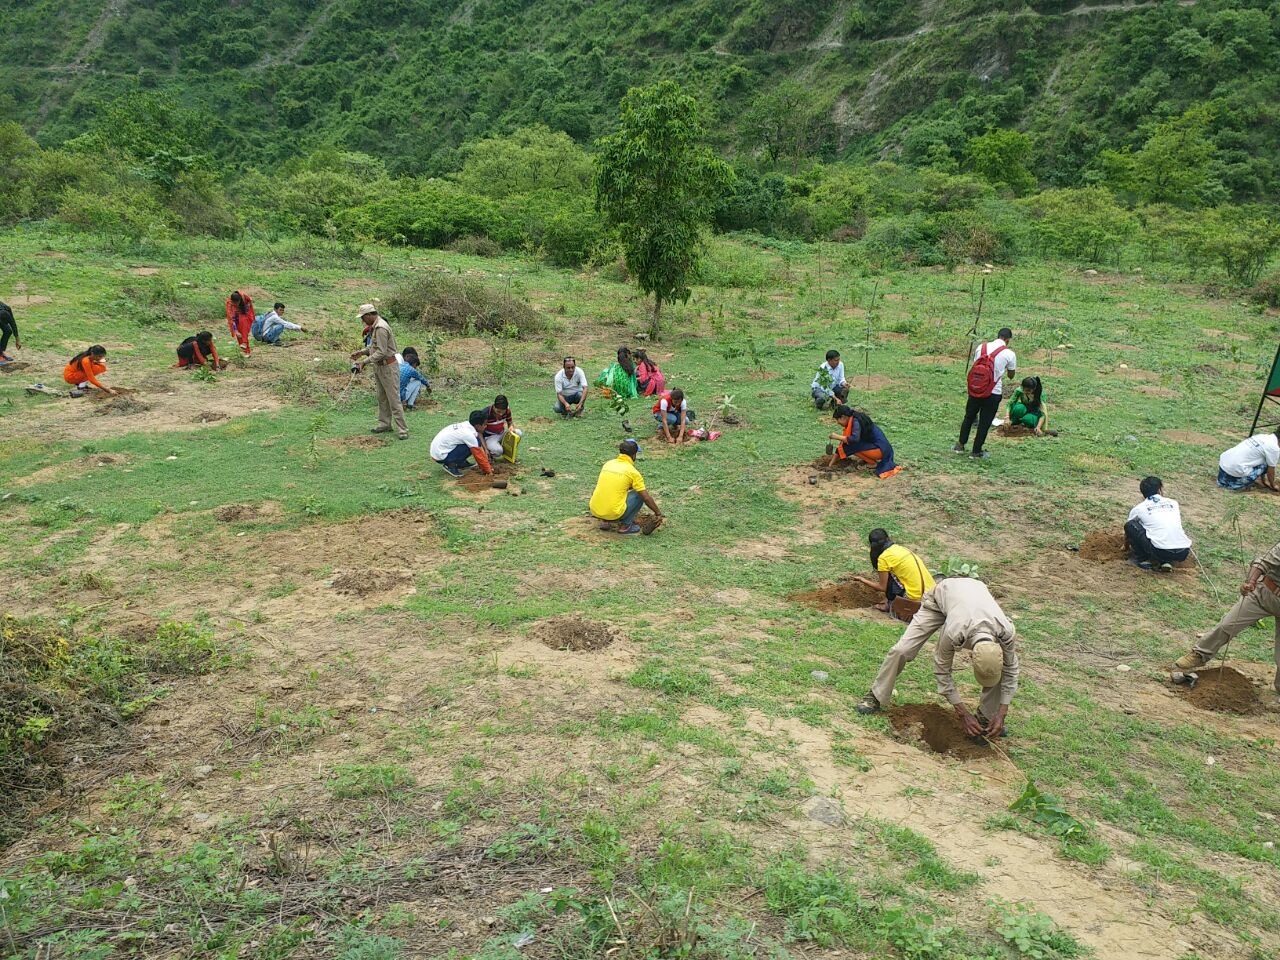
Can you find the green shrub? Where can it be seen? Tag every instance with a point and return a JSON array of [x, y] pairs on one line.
[[461, 305], [476, 247], [431, 215], [1267, 291], [1086, 223], [60, 692], [131, 213]]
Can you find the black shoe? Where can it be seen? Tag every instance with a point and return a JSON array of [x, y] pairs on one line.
[[979, 455], [868, 705], [450, 469], [1141, 564], [1004, 732], [1166, 567], [958, 448]]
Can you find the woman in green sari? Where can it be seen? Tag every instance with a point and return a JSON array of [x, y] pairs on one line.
[[620, 376]]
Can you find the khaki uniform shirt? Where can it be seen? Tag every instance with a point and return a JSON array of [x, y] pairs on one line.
[[1269, 563], [972, 615], [382, 342]]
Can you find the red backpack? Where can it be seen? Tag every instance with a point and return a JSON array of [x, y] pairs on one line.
[[982, 375]]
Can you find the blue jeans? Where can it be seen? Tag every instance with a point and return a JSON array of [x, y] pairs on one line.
[[409, 395], [1239, 483], [573, 398], [634, 503], [674, 418], [457, 457], [821, 397]]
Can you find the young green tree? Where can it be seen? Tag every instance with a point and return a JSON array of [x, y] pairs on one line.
[[656, 186], [1001, 157], [1173, 165]]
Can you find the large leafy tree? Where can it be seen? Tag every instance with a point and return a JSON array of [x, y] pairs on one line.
[[656, 186]]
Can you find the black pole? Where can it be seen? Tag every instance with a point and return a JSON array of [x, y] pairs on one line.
[[1263, 399]]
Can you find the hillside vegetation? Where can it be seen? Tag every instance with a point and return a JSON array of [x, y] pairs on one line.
[[411, 81]]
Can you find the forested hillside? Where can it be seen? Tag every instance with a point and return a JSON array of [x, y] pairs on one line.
[[410, 81]]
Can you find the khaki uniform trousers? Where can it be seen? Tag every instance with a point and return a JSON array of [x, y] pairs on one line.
[[927, 621], [1250, 609], [386, 378]]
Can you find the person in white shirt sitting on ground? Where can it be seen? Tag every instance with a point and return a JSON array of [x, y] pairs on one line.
[[1154, 530], [269, 327], [829, 384], [1251, 461], [455, 445], [571, 389]]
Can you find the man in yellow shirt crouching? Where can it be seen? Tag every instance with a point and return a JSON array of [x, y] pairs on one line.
[[620, 491]]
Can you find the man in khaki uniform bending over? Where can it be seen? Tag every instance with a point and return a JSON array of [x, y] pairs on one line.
[[381, 352], [1259, 599], [966, 617]]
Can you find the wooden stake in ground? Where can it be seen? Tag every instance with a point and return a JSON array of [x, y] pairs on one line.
[[866, 346], [973, 330]]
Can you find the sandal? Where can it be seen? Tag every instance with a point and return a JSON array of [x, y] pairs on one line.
[[628, 530]]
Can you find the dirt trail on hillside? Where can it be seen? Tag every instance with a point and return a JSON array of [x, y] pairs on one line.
[[1098, 906]]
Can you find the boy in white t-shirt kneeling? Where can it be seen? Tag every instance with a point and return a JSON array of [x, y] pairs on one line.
[[1250, 461], [1154, 530]]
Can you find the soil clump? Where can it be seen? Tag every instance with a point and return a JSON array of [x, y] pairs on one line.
[[364, 583], [476, 482], [209, 416], [1223, 690], [121, 406], [1015, 431], [1103, 545], [570, 633], [848, 595], [935, 730]]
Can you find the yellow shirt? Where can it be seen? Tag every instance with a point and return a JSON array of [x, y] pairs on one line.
[[618, 477], [908, 568]]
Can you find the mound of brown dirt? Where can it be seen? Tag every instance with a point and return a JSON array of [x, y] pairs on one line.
[[13, 366], [847, 465], [648, 523], [209, 416], [476, 482], [120, 407], [1014, 431], [935, 729], [364, 583], [570, 633], [98, 396], [237, 511], [850, 595], [1224, 690], [1102, 545]]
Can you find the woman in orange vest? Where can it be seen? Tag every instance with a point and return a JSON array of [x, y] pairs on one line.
[[240, 318], [83, 370]]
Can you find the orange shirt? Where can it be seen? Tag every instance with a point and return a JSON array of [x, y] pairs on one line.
[[85, 369]]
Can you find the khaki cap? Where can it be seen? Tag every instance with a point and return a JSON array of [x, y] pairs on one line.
[[364, 309], [988, 663]]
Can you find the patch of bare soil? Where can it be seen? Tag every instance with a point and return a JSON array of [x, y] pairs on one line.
[[570, 633], [847, 595], [239, 512], [60, 470], [1014, 431], [473, 481], [29, 301], [865, 384], [144, 271], [1191, 436], [120, 406], [1104, 545], [1164, 393], [932, 727], [1224, 690], [364, 441], [210, 416], [935, 359], [1133, 374], [366, 583], [13, 366]]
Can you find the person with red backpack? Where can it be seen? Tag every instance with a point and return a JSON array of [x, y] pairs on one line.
[[992, 362]]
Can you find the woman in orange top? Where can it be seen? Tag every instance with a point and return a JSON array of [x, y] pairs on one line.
[[82, 372], [240, 318]]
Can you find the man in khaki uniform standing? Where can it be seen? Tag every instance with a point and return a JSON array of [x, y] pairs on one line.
[[968, 618], [381, 353], [1259, 599]]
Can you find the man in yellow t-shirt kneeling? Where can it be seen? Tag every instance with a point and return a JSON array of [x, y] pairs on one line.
[[902, 573], [620, 491]]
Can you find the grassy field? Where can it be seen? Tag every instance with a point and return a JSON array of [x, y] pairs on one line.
[[310, 712]]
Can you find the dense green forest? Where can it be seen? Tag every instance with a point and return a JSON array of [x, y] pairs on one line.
[[913, 130]]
